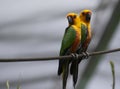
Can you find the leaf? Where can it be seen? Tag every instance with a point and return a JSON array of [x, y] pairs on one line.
[[113, 74], [7, 84]]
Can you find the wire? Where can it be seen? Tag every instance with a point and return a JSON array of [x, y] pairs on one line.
[[67, 57]]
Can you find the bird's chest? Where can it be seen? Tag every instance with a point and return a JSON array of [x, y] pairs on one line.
[[76, 43], [87, 41]]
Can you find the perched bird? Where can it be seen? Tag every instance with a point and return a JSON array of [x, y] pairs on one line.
[[70, 44], [85, 29]]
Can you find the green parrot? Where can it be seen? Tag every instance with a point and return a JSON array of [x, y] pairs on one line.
[[85, 28], [70, 44]]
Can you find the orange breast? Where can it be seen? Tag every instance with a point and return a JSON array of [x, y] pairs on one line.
[[86, 43], [77, 40]]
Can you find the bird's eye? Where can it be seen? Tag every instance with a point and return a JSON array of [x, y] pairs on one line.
[[74, 16]]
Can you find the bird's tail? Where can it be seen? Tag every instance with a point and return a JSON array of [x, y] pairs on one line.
[[60, 68], [74, 71], [65, 74]]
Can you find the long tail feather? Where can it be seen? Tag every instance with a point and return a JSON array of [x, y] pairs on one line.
[[65, 75], [75, 74], [60, 68], [74, 70]]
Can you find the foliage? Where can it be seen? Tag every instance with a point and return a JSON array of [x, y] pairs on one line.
[[8, 85]]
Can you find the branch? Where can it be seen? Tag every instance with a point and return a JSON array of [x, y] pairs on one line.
[[55, 58]]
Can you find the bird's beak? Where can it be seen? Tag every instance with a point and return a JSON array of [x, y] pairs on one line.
[[88, 16], [70, 20]]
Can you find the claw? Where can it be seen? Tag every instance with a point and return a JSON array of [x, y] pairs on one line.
[[85, 55], [74, 56]]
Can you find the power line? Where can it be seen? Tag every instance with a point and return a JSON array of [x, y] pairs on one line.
[[57, 57]]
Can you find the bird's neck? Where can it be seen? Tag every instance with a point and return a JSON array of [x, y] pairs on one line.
[[86, 23], [78, 25]]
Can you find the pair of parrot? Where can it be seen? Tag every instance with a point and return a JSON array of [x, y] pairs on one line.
[[76, 39]]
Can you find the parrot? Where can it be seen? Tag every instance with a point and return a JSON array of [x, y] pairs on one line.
[[85, 28], [70, 44]]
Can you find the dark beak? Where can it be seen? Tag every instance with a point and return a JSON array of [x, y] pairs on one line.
[[88, 17], [70, 20]]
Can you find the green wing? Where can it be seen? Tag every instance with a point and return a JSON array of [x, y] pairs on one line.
[[84, 33], [68, 40]]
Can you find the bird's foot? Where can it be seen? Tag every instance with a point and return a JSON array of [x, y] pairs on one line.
[[75, 56], [85, 55]]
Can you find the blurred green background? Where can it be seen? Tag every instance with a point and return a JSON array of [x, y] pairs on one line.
[[34, 28]]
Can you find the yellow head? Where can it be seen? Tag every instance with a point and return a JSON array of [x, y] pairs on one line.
[[73, 19], [85, 16]]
